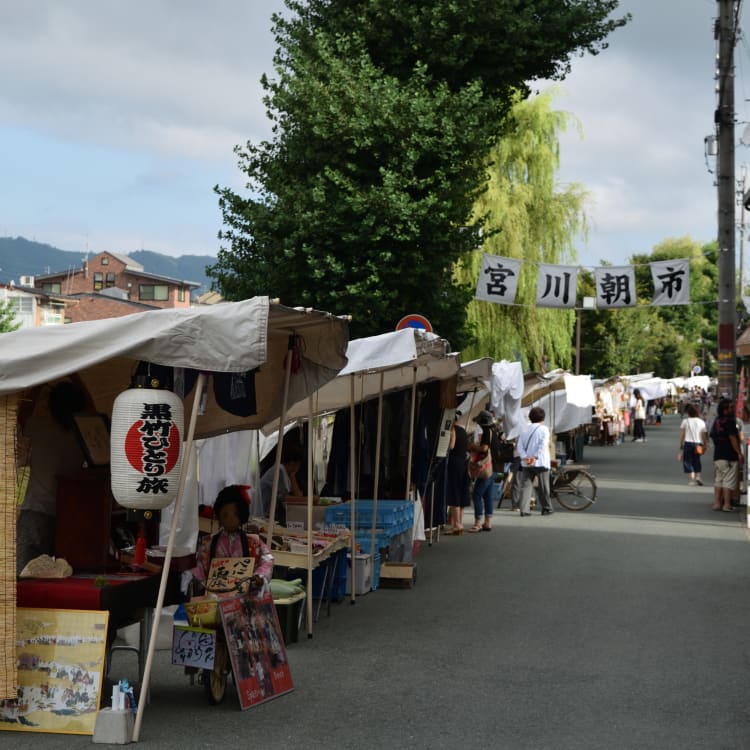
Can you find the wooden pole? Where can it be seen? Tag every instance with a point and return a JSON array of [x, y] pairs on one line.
[[376, 484], [279, 444], [352, 484], [310, 434], [167, 560]]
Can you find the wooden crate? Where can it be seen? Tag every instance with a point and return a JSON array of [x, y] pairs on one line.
[[396, 575]]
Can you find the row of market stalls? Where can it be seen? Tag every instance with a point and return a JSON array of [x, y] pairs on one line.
[[247, 373]]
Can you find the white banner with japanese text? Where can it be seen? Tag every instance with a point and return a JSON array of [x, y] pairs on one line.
[[556, 286], [671, 282], [615, 286], [498, 279]]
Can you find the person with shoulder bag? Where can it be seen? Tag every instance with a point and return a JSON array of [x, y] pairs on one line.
[[481, 473], [693, 444]]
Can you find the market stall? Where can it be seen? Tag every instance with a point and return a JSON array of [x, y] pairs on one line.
[[379, 365], [232, 364]]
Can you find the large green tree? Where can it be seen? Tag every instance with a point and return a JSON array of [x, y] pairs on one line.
[[528, 216], [383, 114]]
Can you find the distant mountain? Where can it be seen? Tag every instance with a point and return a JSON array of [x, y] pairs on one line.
[[22, 257]]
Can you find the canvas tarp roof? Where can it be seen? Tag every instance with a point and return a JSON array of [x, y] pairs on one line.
[[227, 337], [395, 355]]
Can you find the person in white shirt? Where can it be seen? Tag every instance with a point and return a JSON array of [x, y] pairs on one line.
[[693, 434], [533, 448]]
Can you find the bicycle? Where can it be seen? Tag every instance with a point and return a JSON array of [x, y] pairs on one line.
[[571, 485]]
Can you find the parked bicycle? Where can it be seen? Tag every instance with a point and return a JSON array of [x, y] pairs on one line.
[[571, 485]]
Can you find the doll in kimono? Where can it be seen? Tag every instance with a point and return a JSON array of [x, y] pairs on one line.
[[232, 511]]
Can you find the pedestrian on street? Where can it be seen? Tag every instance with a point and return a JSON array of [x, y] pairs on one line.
[[480, 470], [693, 443], [533, 448], [639, 417], [727, 455]]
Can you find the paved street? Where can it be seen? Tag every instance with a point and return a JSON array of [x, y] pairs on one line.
[[622, 626]]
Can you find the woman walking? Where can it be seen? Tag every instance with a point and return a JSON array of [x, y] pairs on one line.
[[693, 443], [639, 417]]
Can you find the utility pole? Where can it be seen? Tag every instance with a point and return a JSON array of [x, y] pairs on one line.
[[741, 277], [725, 33]]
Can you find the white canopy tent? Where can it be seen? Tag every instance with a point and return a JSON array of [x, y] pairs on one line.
[[380, 364], [226, 338], [566, 399]]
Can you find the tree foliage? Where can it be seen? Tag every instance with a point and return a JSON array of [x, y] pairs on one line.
[[529, 217], [8, 320], [383, 114]]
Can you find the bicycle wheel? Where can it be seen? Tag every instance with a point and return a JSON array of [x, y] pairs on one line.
[[574, 490], [215, 680]]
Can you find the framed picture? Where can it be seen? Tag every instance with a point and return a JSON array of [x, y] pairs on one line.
[[60, 656], [92, 431], [256, 648]]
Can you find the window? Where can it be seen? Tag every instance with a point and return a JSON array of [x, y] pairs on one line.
[[98, 282], [155, 292], [181, 294], [105, 261], [51, 287], [110, 279], [22, 305]]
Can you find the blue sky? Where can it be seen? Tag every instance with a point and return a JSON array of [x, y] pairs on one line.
[[118, 119]]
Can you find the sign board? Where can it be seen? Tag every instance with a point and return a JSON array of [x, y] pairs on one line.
[[414, 321], [697, 370], [193, 647], [227, 573], [444, 440], [256, 648]]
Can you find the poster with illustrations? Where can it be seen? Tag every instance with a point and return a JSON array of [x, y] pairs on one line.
[[256, 649], [60, 657]]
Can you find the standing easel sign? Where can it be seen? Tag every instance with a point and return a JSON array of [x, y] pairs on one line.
[[256, 648]]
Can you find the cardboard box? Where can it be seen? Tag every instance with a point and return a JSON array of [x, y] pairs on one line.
[[297, 513], [398, 575]]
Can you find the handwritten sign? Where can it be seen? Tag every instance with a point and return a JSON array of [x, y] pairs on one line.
[[226, 572], [193, 647]]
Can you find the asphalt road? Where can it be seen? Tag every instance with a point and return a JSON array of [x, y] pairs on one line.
[[622, 626]]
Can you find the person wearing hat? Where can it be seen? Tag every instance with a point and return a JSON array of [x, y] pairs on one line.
[[480, 470], [232, 511]]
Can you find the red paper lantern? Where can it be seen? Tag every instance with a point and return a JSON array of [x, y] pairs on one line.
[[145, 448]]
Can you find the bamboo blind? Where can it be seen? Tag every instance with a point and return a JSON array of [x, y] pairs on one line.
[[8, 489]]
